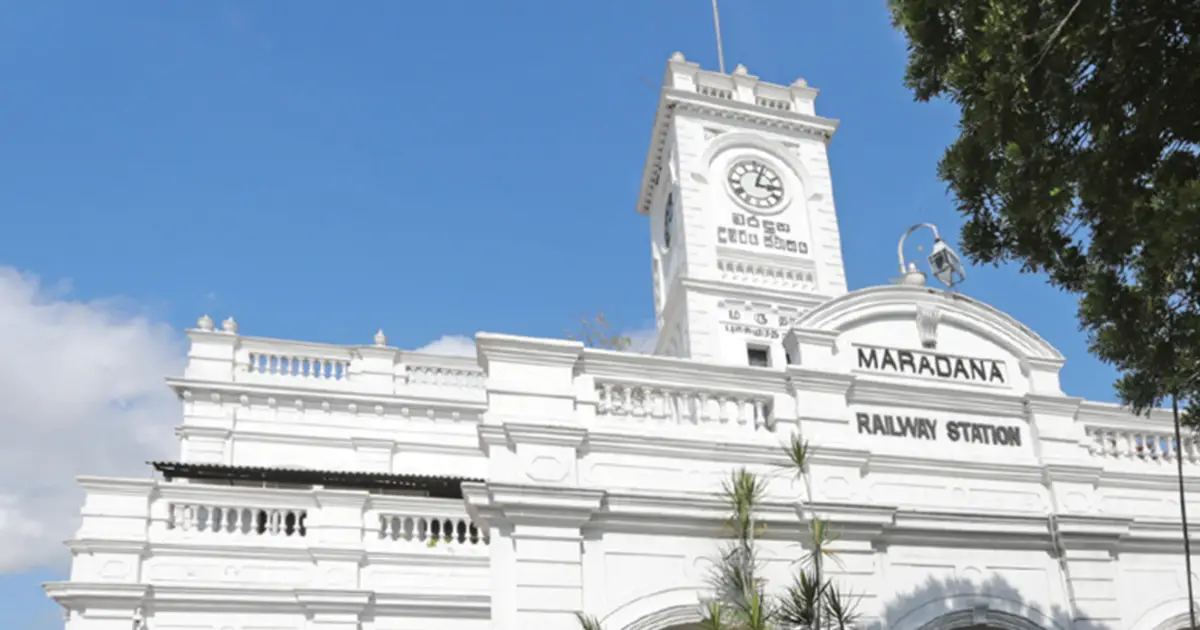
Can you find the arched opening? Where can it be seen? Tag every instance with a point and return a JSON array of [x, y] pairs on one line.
[[981, 618]]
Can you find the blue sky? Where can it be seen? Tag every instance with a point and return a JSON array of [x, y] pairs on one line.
[[320, 169]]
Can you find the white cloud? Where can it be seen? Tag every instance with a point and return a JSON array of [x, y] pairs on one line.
[[81, 392], [642, 340], [453, 345]]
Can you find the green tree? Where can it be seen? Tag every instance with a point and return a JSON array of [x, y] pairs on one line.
[[739, 598], [1078, 159]]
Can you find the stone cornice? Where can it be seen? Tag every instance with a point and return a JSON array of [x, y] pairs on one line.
[[87, 545], [1072, 472], [969, 530], [526, 350], [433, 605], [816, 337], [1052, 405], [1090, 532], [97, 595], [546, 435], [309, 393], [927, 466], [651, 371], [731, 290], [913, 395], [350, 603], [688, 514], [117, 485], [791, 123], [1164, 480], [766, 449], [802, 379], [526, 504]]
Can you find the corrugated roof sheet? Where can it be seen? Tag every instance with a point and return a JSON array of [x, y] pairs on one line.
[[446, 487]]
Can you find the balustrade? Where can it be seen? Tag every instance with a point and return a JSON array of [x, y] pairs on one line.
[[668, 405], [1140, 444], [237, 521], [430, 530]]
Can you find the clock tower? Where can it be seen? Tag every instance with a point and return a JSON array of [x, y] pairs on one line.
[[744, 236]]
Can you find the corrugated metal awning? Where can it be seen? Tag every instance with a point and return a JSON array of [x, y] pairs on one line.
[[433, 485]]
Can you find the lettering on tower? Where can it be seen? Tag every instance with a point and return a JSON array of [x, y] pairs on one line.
[[754, 232], [761, 321], [932, 364]]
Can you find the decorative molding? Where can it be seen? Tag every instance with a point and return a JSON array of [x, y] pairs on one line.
[[802, 379], [310, 395], [658, 371], [912, 395], [546, 435], [764, 448], [1052, 405], [962, 469]]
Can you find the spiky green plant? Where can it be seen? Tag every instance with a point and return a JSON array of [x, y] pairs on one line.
[[739, 599]]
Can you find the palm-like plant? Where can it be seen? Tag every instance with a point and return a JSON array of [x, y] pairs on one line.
[[739, 599]]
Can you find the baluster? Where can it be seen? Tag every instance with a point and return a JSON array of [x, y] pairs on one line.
[[606, 399]]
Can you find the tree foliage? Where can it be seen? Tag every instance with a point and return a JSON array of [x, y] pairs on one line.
[[597, 333], [1078, 158], [739, 597]]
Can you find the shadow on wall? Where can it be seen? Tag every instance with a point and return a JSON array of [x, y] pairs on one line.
[[960, 603]]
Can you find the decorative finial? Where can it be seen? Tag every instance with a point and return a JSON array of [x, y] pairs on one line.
[[380, 338], [677, 56], [800, 82], [205, 322], [230, 326], [741, 70]]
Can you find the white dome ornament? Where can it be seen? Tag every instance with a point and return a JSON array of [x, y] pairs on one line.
[[205, 323], [230, 326], [380, 338]]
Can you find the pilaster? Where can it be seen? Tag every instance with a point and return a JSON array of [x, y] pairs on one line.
[[536, 551], [112, 536], [529, 380], [818, 386], [1059, 436], [335, 537], [1088, 548], [211, 355], [375, 370]]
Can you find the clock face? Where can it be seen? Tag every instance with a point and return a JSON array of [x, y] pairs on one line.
[[755, 184], [668, 219]]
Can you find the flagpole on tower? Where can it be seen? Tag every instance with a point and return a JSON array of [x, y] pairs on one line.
[[717, 26]]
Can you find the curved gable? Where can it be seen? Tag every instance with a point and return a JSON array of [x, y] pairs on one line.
[[900, 302], [875, 331]]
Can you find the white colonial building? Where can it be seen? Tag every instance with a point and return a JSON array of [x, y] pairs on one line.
[[322, 487]]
